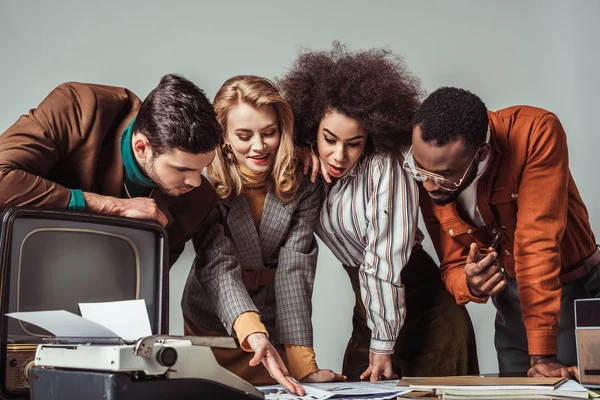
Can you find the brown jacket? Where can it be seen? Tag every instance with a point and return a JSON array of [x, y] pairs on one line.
[[529, 189], [72, 141]]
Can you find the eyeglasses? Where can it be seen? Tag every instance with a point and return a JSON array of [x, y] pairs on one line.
[[422, 175]]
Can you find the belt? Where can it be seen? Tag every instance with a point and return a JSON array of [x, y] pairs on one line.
[[581, 269], [255, 278]]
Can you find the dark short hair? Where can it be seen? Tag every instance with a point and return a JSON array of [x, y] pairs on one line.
[[451, 113], [178, 115], [373, 87]]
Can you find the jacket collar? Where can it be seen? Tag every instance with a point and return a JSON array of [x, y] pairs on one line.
[[498, 133], [256, 245]]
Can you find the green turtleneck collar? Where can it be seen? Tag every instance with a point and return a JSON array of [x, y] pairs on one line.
[[138, 184]]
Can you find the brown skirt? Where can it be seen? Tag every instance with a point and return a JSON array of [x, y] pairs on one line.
[[437, 338], [236, 360]]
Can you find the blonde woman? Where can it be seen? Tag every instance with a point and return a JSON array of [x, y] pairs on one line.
[[255, 261]]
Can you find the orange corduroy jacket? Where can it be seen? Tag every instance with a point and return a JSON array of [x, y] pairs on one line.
[[528, 188]]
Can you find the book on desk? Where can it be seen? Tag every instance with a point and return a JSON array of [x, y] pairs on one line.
[[478, 387]]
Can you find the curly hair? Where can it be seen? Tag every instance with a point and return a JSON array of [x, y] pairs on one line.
[[373, 87], [256, 92], [450, 113]]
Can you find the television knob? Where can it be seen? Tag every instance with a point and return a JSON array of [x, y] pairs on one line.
[[166, 356], [28, 366]]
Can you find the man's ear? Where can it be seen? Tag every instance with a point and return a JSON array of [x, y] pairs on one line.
[[483, 152], [141, 146]]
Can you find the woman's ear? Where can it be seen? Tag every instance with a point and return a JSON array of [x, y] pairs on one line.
[[314, 148], [368, 149]]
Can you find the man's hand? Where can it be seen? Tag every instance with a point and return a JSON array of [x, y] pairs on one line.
[[484, 278], [138, 207], [310, 160], [548, 366], [265, 352], [380, 367], [323, 375]]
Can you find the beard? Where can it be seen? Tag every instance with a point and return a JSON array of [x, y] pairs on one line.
[[452, 196], [149, 169]]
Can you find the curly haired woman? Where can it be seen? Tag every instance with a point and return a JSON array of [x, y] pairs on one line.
[[354, 110]]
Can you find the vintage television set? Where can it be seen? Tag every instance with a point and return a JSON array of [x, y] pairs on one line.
[[587, 336], [56, 259]]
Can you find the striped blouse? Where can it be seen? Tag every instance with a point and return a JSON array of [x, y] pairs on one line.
[[369, 220]]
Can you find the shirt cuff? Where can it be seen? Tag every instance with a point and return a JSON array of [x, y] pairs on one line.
[[542, 342], [245, 325], [382, 346], [301, 361], [76, 202], [466, 295]]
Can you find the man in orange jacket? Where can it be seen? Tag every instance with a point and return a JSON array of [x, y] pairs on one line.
[[480, 171]]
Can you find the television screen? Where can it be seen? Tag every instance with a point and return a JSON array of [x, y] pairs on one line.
[[55, 265], [587, 313]]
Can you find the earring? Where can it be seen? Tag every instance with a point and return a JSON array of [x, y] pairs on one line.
[[227, 151]]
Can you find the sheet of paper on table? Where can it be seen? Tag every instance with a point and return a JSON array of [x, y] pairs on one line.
[[127, 320]]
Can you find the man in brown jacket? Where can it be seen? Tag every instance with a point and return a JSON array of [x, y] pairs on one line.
[[100, 149], [480, 171]]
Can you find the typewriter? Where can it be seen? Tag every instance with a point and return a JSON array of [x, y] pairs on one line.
[[154, 367]]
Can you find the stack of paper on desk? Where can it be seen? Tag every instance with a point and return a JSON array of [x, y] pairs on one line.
[[475, 387], [338, 391]]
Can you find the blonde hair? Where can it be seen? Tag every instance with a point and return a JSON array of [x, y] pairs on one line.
[[256, 92]]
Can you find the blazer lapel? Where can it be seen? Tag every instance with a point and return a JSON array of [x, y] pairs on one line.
[[164, 202], [273, 224], [243, 231]]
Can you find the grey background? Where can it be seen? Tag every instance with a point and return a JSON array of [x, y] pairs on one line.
[[542, 53]]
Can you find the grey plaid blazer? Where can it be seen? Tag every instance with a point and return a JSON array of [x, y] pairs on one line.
[[214, 294]]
